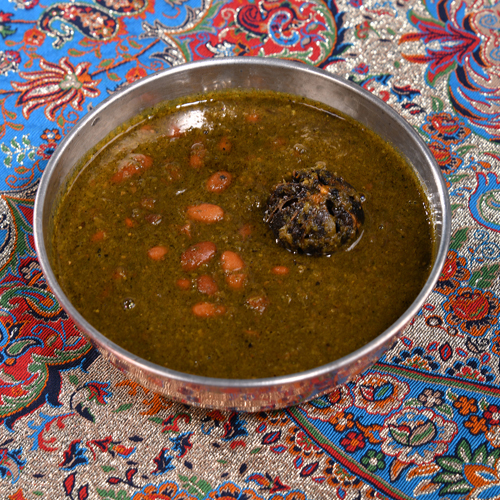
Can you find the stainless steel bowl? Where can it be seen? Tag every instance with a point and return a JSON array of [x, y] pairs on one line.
[[258, 73]]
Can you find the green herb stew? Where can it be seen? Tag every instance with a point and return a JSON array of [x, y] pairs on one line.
[[161, 240]]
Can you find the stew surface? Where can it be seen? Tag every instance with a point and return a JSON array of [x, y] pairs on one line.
[[160, 241]]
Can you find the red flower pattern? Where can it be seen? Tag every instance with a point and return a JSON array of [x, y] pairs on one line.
[[473, 311], [446, 128], [353, 441], [34, 37], [492, 415], [454, 272], [135, 74], [55, 87], [98, 391], [447, 160], [5, 17], [46, 150]]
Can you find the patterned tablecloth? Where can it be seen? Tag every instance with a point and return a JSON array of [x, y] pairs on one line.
[[424, 422]]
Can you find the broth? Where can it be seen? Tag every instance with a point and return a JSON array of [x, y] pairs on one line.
[[160, 243]]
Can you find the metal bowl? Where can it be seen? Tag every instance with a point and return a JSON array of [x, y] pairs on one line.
[[257, 73]]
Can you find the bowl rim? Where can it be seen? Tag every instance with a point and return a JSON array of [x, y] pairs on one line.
[[241, 384]]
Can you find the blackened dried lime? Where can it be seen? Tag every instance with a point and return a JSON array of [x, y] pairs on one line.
[[315, 212]]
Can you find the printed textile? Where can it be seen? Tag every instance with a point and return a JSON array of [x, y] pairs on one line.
[[423, 422]]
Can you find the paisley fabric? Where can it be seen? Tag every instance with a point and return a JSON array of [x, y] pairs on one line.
[[424, 422]]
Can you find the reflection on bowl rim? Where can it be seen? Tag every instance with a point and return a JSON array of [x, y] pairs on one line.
[[249, 72]]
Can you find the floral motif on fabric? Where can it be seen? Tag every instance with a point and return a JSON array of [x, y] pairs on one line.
[[446, 128], [37, 339], [453, 38], [165, 491], [475, 473], [417, 436], [454, 273], [379, 394], [310, 32], [418, 359], [342, 481], [336, 401], [448, 161], [98, 23], [301, 446], [55, 87], [472, 311]]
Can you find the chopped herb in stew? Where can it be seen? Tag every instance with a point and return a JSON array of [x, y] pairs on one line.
[[164, 242]]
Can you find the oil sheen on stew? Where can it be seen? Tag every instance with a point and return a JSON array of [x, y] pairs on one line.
[[160, 241]]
